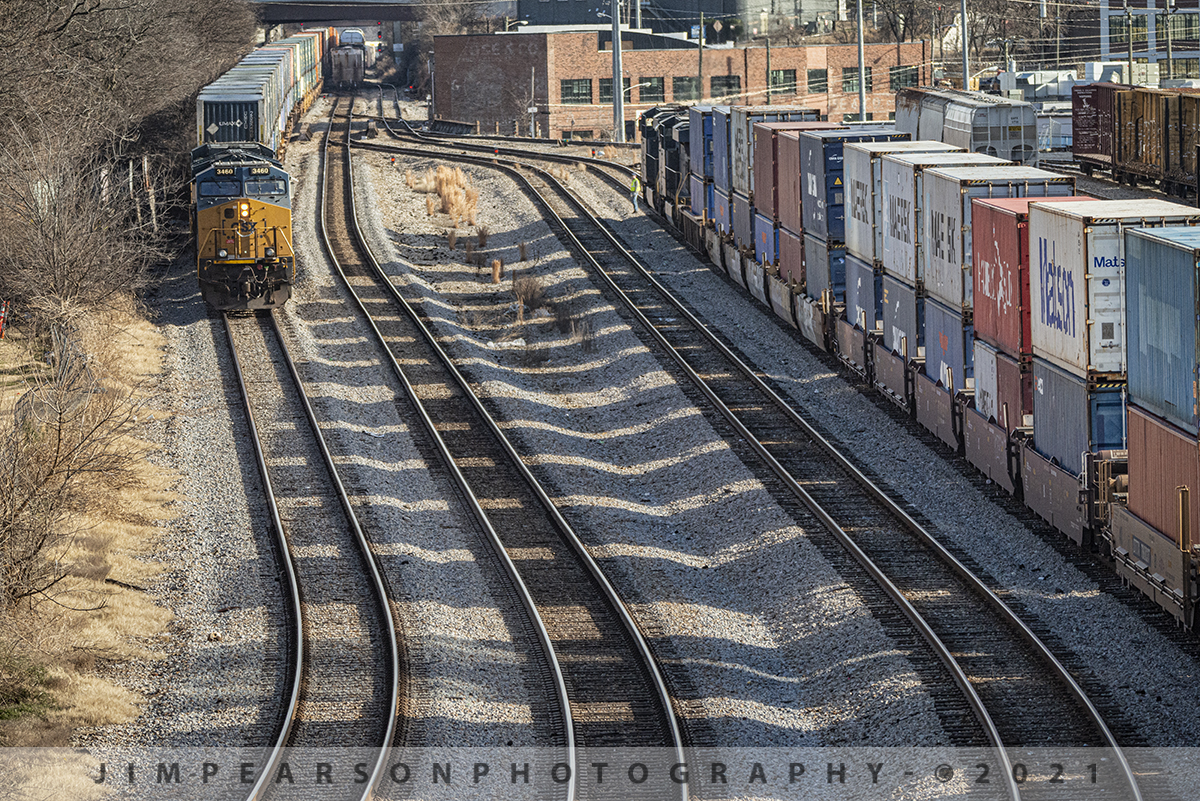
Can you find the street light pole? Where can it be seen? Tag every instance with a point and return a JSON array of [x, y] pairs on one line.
[[862, 70], [618, 87]]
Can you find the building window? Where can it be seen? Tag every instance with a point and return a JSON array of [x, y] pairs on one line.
[[1118, 31], [1183, 68], [725, 85], [606, 95], [902, 77], [577, 91], [783, 82], [652, 90], [818, 82], [683, 88], [1183, 27], [854, 117], [850, 79], [577, 135]]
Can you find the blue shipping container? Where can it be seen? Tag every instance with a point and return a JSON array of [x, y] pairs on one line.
[[949, 346], [864, 293], [1070, 419], [723, 212], [722, 158], [821, 177], [825, 267], [903, 318], [701, 124], [1163, 322], [766, 239], [743, 221]]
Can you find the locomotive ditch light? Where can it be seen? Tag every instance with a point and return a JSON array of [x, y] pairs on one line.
[[221, 254], [270, 252]]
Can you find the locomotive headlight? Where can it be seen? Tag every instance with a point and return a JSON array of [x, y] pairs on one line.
[[245, 209], [270, 252], [221, 254]]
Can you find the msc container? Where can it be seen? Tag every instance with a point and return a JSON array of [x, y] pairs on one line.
[[1077, 281], [864, 293], [978, 122], [946, 219], [1092, 117], [1000, 271], [700, 155], [1162, 458], [824, 268], [1163, 329], [722, 161], [766, 239], [1003, 386], [722, 211], [791, 259], [903, 318], [822, 161], [863, 202], [949, 354], [1072, 417], [741, 136], [743, 220], [786, 198], [901, 188]]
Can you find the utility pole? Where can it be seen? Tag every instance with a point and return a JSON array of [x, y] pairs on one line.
[[638, 6], [1170, 56], [768, 71], [532, 100], [700, 68], [618, 84], [966, 65], [862, 70], [1129, 38]]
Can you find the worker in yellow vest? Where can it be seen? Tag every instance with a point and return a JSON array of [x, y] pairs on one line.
[[635, 188]]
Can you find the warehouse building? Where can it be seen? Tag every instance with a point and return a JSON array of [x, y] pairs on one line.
[[565, 77]]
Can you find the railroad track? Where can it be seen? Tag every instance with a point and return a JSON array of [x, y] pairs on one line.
[[1019, 693], [612, 693], [345, 660]]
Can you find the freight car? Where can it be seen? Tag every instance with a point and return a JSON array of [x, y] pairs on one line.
[[1005, 329], [346, 67], [975, 121]]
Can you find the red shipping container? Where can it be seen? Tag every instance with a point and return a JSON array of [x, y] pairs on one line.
[[789, 194], [1014, 387], [1161, 458], [1000, 253], [791, 258]]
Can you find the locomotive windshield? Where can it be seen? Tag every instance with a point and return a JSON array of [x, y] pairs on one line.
[[220, 188], [268, 187]]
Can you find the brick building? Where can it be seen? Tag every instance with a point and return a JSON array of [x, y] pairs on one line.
[[495, 79]]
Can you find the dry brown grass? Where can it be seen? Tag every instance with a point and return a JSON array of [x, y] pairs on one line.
[[469, 250], [497, 270], [529, 291], [523, 249], [456, 195], [451, 237], [482, 234], [429, 205]]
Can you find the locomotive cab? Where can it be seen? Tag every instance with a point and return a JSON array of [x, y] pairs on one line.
[[244, 253]]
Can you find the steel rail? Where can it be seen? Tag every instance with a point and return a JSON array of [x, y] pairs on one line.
[[569, 534], [443, 450]]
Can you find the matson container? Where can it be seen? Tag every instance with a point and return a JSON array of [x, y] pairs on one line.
[[741, 137], [1000, 271], [722, 162], [901, 189], [946, 219], [743, 221], [864, 293], [1161, 458], [1162, 300], [700, 153], [1003, 386], [903, 318], [1076, 281], [862, 173], [824, 268], [766, 239], [722, 212], [1072, 417], [822, 161], [791, 258], [772, 154], [949, 354]]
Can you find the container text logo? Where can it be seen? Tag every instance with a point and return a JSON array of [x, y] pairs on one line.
[[858, 201], [899, 225], [1058, 290], [941, 227], [995, 282]]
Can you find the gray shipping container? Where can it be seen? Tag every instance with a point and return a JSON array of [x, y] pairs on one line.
[[864, 293], [741, 134], [1070, 420], [743, 221], [1163, 322], [903, 318], [824, 268]]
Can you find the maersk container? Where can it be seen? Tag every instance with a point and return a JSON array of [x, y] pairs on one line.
[[722, 161], [822, 160], [1072, 417], [824, 268], [864, 293], [901, 191], [701, 153], [766, 239], [1000, 271], [946, 219], [743, 220], [791, 259], [949, 349], [781, 167], [698, 188], [741, 136], [863, 173], [903, 318], [1077, 278], [1003, 386], [1163, 308], [722, 212]]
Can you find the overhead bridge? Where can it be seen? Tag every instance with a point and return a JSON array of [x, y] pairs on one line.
[[275, 13]]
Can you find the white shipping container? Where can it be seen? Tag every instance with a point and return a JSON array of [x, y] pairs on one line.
[[901, 189], [1077, 278], [946, 219], [862, 171], [987, 389]]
